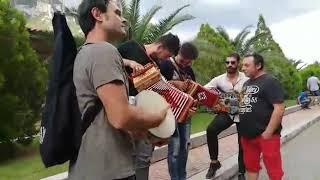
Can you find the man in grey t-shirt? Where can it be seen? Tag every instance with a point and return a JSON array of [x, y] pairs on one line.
[[106, 148]]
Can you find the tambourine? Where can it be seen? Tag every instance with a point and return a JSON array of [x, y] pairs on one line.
[[151, 101]]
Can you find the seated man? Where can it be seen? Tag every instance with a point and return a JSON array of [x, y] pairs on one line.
[[303, 100]]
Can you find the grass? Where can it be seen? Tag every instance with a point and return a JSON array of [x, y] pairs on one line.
[[30, 166], [200, 121], [289, 103]]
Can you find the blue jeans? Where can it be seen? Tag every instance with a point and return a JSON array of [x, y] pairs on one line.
[[316, 93], [178, 149]]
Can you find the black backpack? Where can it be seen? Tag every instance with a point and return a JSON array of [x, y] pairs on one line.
[[62, 124]]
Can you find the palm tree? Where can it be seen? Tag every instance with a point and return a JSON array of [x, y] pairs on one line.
[[140, 27], [242, 44], [297, 63]]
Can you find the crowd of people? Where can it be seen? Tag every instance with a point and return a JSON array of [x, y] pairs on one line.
[[116, 147]]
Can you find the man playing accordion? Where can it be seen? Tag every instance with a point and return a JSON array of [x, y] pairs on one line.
[[177, 70], [135, 57]]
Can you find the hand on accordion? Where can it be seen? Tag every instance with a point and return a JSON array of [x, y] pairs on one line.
[[193, 109], [181, 85], [136, 67]]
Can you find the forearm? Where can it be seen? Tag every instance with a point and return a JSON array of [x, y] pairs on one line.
[[212, 84], [126, 62], [131, 118], [276, 118], [140, 119]]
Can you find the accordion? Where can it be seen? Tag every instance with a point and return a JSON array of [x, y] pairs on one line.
[[206, 97], [151, 79], [214, 99]]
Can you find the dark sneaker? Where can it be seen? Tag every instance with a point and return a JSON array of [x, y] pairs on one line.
[[241, 177], [213, 169]]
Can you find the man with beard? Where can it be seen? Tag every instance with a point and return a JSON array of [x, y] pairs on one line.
[[231, 81], [135, 55], [106, 147], [177, 70]]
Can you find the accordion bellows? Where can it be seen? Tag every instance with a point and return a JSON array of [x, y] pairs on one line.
[[150, 79]]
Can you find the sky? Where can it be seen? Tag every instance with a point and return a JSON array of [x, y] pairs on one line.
[[295, 24]]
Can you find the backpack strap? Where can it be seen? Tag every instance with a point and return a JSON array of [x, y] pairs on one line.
[[90, 114], [92, 111]]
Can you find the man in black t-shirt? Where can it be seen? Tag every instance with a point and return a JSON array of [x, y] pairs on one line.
[[177, 70], [135, 55], [261, 111]]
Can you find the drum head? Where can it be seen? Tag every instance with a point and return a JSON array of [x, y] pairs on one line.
[[153, 102]]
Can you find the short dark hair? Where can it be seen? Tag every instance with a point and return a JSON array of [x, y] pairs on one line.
[[257, 59], [235, 55], [170, 42], [189, 51], [86, 20]]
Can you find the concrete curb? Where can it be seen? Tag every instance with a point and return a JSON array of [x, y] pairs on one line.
[[229, 167], [200, 138], [196, 140]]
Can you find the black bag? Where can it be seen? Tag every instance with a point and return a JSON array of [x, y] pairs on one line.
[[62, 126]]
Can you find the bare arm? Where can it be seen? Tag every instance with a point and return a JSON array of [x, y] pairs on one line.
[[123, 116], [133, 65], [276, 118], [212, 84], [126, 62]]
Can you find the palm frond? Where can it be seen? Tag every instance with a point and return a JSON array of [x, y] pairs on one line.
[[143, 23], [261, 50], [223, 33], [240, 43], [133, 14], [166, 24], [297, 63], [72, 11], [124, 8], [179, 19], [242, 35], [249, 43]]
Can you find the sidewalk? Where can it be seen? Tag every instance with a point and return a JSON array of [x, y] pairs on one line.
[[198, 160]]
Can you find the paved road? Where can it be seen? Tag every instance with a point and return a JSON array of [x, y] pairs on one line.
[[301, 156]]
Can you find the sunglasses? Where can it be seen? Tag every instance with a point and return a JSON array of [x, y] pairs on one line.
[[230, 62]]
